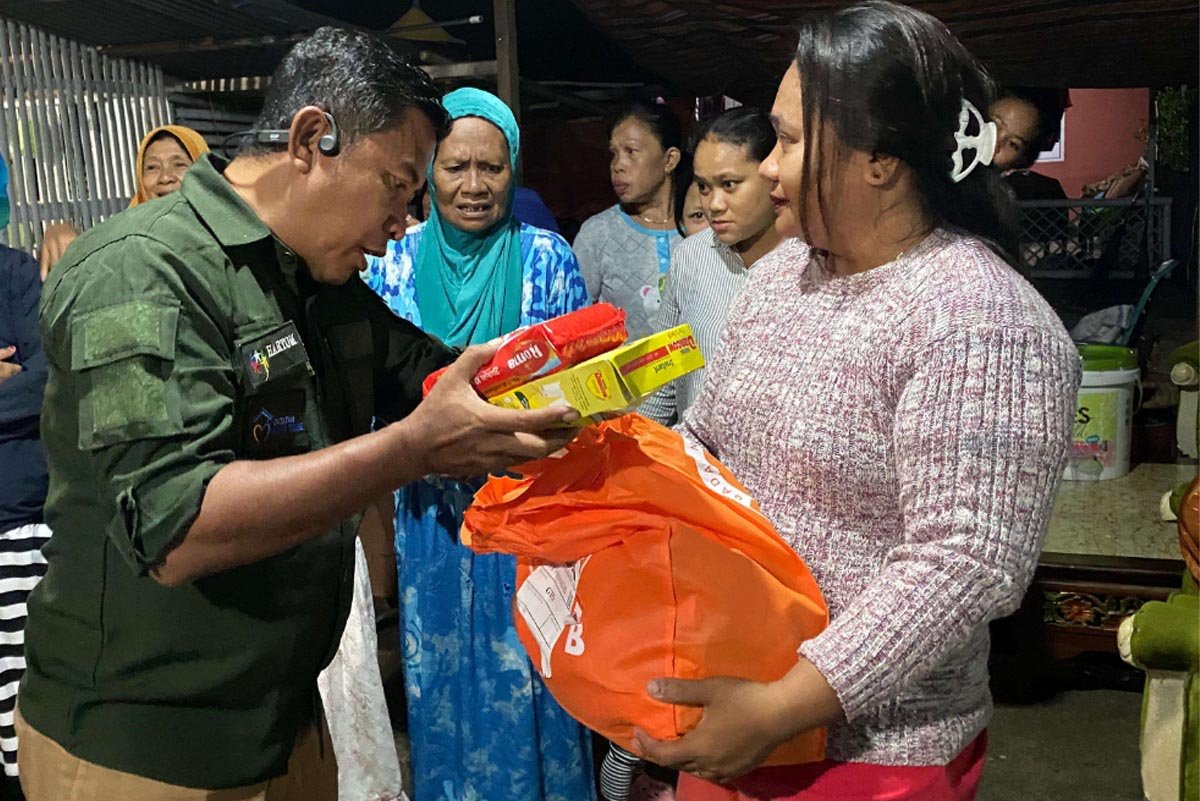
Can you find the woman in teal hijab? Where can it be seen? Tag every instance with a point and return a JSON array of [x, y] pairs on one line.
[[480, 721], [468, 267]]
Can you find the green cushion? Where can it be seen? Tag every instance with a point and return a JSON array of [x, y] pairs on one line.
[[1166, 635]]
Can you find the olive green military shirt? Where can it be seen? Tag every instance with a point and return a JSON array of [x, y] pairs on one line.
[[181, 336]]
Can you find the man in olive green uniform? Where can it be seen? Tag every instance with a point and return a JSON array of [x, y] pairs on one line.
[[216, 368]]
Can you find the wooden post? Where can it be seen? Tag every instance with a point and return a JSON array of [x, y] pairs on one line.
[[508, 78]]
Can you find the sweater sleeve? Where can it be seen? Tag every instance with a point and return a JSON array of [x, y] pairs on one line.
[[980, 434]]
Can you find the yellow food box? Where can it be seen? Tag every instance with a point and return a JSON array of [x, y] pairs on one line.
[[615, 381]]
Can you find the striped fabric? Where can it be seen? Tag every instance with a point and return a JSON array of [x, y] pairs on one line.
[[21, 568], [617, 773], [705, 277]]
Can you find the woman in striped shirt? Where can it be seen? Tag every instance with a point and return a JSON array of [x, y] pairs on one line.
[[708, 270]]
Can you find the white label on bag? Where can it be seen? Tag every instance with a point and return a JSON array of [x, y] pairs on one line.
[[711, 477], [546, 601]]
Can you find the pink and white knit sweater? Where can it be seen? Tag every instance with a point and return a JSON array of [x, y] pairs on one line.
[[905, 430]]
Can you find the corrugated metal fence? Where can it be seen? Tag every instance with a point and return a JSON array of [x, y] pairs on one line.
[[72, 121]]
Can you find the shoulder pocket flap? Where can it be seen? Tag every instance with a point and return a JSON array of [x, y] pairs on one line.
[[125, 357], [144, 327]]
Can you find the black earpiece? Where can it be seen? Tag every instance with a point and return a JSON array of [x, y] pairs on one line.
[[329, 144]]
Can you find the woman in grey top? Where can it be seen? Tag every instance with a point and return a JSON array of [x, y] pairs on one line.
[[625, 251]]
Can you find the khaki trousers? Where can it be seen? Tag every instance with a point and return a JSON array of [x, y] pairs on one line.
[[50, 773]]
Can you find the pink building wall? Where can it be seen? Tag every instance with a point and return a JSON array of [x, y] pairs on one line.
[[1100, 137]]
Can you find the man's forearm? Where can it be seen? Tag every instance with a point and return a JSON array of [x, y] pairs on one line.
[[256, 509]]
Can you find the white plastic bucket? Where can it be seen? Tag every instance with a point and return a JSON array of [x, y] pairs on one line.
[[1103, 425]]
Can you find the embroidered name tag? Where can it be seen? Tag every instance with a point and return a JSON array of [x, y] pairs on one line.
[[274, 357]]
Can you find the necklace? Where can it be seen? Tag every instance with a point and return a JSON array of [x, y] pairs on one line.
[[917, 240], [652, 222]]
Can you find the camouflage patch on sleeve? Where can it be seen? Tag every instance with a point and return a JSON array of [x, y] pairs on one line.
[[125, 356]]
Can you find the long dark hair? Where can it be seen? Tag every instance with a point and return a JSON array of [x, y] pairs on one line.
[[744, 126], [681, 182], [890, 79]]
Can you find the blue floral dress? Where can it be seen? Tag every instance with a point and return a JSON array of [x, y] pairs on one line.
[[482, 725]]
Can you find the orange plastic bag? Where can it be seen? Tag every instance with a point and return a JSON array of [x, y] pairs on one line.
[[640, 557]]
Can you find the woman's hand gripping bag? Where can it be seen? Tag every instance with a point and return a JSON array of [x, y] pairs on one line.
[[640, 556]]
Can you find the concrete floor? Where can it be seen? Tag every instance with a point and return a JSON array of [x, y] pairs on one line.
[[1082, 745]]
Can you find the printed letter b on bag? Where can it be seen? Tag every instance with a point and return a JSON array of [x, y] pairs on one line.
[[124, 355]]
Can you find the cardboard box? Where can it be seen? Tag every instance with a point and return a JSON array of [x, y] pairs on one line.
[[615, 381]]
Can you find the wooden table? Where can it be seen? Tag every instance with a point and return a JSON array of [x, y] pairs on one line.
[[1107, 552]]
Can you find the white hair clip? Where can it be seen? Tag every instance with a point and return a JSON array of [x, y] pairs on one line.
[[983, 143]]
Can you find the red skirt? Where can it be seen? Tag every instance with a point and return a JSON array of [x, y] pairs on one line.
[[850, 781]]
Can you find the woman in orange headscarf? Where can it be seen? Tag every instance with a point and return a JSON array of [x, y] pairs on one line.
[[164, 155]]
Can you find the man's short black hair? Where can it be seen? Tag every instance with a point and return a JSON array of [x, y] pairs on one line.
[[359, 78]]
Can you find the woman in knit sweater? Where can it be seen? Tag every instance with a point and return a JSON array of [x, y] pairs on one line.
[[899, 401]]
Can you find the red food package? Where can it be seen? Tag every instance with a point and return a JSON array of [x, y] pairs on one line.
[[544, 348], [585, 333]]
